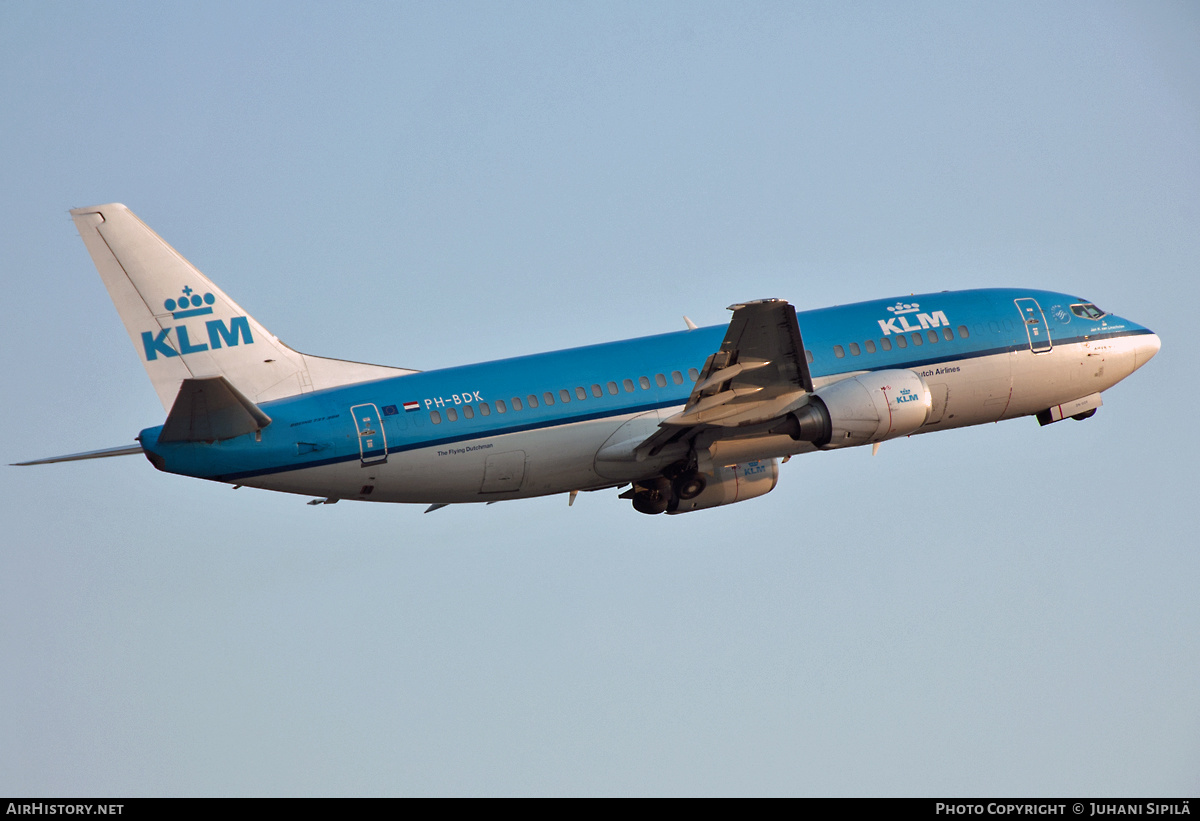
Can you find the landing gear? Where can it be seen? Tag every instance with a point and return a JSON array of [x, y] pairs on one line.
[[690, 485], [662, 494], [1048, 417], [652, 496]]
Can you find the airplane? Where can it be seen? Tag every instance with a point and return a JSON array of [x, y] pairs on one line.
[[680, 421]]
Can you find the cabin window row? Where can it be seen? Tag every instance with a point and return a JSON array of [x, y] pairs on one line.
[[563, 396], [901, 341]]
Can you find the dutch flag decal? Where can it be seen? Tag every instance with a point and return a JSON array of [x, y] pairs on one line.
[[412, 406]]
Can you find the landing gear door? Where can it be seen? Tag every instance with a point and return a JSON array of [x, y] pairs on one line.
[[372, 444], [1035, 325]]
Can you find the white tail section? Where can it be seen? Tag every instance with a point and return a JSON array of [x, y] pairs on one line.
[[185, 327]]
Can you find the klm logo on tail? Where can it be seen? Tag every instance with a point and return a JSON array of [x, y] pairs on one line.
[[191, 304]]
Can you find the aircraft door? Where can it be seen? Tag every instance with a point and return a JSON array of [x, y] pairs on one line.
[[372, 443], [1035, 325]]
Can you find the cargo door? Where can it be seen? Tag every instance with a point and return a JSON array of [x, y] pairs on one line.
[[503, 472]]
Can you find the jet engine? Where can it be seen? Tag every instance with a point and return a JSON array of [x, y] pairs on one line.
[[862, 409]]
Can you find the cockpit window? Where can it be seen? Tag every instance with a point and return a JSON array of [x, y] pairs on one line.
[[1088, 311]]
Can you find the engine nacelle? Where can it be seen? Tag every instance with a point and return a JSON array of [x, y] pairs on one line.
[[727, 485], [863, 409]]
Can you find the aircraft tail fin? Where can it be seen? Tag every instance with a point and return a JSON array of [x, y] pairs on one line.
[[184, 327]]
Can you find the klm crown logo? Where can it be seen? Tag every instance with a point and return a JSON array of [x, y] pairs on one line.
[[191, 304], [905, 308]]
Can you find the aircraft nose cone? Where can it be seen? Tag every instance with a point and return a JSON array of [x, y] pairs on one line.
[[1147, 346]]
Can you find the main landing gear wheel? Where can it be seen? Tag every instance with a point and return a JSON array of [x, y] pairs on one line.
[[652, 498], [1087, 414], [690, 485]]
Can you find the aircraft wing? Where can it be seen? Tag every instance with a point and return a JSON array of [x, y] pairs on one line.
[[759, 373]]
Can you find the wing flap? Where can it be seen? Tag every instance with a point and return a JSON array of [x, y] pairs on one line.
[[759, 373]]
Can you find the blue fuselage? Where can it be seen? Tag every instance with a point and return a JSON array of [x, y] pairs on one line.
[[993, 354]]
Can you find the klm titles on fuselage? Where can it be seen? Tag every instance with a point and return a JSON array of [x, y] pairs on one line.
[[899, 323], [191, 305]]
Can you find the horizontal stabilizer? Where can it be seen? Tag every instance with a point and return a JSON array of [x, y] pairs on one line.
[[211, 409], [123, 450]]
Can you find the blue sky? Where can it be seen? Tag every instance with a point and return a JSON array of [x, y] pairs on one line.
[[999, 610]]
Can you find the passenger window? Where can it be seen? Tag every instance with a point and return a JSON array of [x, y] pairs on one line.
[[484, 410], [917, 340], [468, 412], [838, 352], [435, 417], [854, 349], [517, 403], [993, 327], [808, 355], [661, 380], [963, 332], [612, 388], [677, 377], [644, 382], [885, 343], [580, 394], [501, 407], [902, 341], [597, 391], [933, 336], [628, 383], [948, 334], [452, 414], [548, 398], [869, 345], [531, 401], [693, 374]]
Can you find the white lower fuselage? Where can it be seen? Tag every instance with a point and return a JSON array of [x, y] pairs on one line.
[[562, 458]]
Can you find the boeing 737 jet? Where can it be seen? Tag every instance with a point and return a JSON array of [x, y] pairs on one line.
[[679, 421]]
